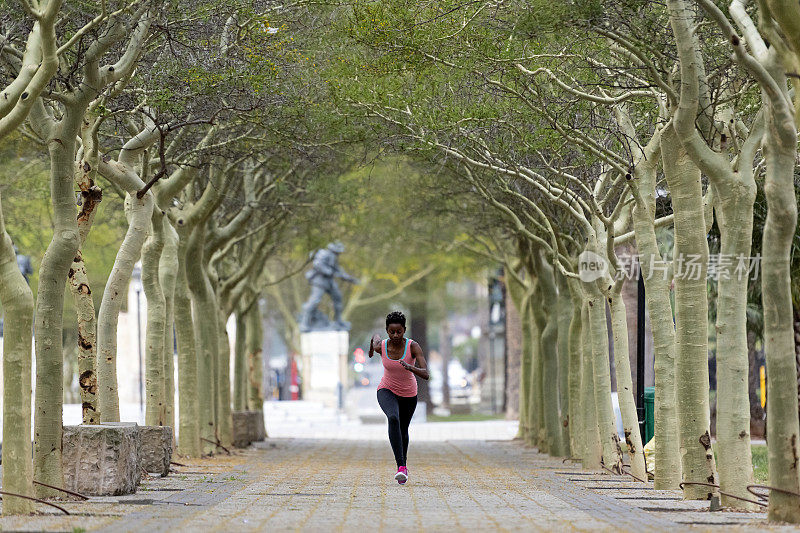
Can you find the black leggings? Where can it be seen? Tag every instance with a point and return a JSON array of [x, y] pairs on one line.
[[399, 411]]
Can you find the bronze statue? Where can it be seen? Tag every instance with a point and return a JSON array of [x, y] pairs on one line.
[[324, 269]]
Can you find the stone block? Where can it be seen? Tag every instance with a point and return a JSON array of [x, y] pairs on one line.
[[241, 429], [248, 427], [156, 449], [460, 409], [101, 460]]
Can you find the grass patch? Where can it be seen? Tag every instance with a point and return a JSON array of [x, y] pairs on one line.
[[471, 417], [760, 471]]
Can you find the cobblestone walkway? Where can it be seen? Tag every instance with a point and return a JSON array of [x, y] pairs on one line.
[[341, 485]]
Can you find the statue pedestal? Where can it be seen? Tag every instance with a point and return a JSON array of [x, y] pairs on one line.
[[324, 372]]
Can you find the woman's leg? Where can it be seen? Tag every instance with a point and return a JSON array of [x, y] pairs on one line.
[[389, 403], [407, 408]]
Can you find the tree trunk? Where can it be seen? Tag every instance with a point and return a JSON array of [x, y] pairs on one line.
[[518, 298], [513, 346], [17, 300], [627, 404], [657, 299], [691, 317], [734, 213], [606, 423], [733, 189], [548, 352], [239, 365], [155, 381], [139, 214], [797, 350], [224, 383], [525, 428], [78, 282], [734, 193], [167, 273], [50, 304], [255, 370], [564, 306], [593, 447], [536, 412], [783, 433], [667, 450], [206, 328], [577, 418], [418, 309], [188, 402]]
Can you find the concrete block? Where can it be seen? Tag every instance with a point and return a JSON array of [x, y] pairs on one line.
[[156, 449], [102, 460]]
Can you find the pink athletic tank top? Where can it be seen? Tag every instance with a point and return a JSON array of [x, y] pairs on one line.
[[396, 378]]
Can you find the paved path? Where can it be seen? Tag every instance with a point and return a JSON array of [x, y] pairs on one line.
[[344, 485]]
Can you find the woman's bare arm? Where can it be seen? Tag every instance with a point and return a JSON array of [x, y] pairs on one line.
[[420, 366], [374, 344]]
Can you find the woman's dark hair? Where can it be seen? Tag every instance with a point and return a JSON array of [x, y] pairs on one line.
[[396, 317]]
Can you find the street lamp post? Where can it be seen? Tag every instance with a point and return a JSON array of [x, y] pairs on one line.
[[496, 331], [136, 279], [492, 379]]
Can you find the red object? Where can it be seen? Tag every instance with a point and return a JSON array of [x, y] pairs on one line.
[[294, 387], [358, 354]]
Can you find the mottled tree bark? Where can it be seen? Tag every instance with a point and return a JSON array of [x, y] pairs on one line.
[[155, 381], [188, 397], [53, 273], [606, 423], [657, 298], [206, 324], [17, 300], [140, 212], [627, 405], [783, 433], [734, 191], [691, 317], [78, 280], [593, 447], [167, 272]]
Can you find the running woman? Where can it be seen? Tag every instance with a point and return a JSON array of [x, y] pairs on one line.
[[397, 392]]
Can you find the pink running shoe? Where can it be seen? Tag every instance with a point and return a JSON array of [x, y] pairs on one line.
[[402, 475]]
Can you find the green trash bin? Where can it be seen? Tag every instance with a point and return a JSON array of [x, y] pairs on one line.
[[649, 413]]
